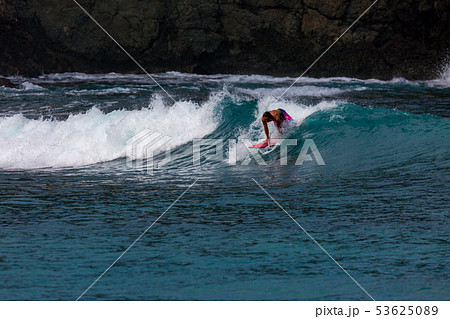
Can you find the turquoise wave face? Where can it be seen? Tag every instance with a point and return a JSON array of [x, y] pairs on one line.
[[72, 197], [343, 132], [376, 137]]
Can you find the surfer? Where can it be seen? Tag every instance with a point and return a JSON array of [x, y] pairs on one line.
[[279, 116]]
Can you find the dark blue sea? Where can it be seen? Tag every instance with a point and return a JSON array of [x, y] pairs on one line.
[[73, 198]]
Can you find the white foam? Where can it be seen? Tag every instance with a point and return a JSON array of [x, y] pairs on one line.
[[105, 91], [295, 91], [175, 77], [30, 86], [444, 78], [70, 76], [94, 136]]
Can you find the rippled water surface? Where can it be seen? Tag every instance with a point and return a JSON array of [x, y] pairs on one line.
[[71, 201]]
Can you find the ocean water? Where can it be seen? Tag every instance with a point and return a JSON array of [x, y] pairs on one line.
[[73, 199]]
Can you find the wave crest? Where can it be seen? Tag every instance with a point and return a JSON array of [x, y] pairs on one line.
[[94, 136]]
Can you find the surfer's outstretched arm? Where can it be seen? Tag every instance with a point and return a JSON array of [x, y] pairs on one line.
[[266, 129]]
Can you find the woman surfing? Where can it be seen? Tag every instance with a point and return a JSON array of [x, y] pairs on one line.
[[279, 116]]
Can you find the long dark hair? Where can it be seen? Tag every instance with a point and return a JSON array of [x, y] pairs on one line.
[[268, 116]]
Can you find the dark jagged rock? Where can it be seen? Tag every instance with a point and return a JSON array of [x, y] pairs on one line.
[[278, 37]]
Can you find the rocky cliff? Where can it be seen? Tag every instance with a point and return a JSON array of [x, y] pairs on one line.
[[406, 38]]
